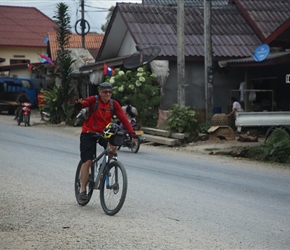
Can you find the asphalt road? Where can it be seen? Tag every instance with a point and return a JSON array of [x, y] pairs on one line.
[[175, 200]]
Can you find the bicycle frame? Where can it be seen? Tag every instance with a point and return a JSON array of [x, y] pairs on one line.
[[101, 171], [109, 177]]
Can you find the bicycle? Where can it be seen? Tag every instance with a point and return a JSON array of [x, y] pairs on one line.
[[109, 177]]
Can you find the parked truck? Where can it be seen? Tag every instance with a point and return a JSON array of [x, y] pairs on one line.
[[10, 89], [264, 119]]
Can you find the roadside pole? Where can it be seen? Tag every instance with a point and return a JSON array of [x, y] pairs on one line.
[[208, 70], [180, 54]]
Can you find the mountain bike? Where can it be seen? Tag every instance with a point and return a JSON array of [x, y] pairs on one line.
[[109, 177]]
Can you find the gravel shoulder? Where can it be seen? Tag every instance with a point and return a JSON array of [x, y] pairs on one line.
[[207, 147]]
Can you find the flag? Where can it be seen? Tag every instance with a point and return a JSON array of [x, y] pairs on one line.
[[46, 39], [46, 58], [30, 66], [108, 71]]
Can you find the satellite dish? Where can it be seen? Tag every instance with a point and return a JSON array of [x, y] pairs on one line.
[[261, 52], [141, 57]]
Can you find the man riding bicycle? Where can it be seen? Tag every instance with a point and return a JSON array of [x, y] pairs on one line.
[[98, 119]]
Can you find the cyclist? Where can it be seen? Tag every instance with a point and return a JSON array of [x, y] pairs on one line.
[[96, 122]]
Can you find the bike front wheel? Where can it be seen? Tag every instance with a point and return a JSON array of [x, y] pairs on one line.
[[135, 145], [113, 188], [89, 188]]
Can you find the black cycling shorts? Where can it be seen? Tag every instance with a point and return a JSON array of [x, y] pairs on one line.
[[88, 146]]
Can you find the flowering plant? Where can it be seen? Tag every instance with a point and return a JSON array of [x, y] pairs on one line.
[[141, 87]]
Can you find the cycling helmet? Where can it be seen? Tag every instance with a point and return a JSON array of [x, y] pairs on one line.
[[111, 129]]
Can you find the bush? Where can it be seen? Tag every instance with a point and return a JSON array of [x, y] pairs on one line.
[[141, 87], [276, 148], [53, 104], [183, 120]]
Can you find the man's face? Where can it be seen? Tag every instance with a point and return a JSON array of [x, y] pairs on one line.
[[105, 95]]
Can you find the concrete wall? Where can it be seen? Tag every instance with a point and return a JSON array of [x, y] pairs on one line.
[[224, 81]]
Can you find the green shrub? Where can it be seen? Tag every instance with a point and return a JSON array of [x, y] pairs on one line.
[[204, 127], [183, 120], [141, 87], [53, 104], [279, 145], [276, 148]]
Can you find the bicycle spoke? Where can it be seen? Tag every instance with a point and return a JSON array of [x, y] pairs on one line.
[[114, 188], [89, 187]]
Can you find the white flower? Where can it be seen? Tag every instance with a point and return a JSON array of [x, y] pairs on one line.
[[112, 80], [142, 79], [131, 86], [139, 74], [153, 75], [138, 84], [121, 72], [121, 88], [140, 69]]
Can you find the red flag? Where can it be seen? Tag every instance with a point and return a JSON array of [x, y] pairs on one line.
[[46, 59], [108, 71], [30, 66]]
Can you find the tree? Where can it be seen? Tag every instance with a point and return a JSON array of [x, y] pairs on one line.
[[58, 98], [108, 18]]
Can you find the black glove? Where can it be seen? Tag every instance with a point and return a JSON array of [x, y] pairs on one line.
[[133, 135]]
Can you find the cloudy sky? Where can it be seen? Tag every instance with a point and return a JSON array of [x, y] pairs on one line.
[[95, 10]]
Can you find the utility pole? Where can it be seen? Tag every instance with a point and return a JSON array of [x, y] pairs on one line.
[[180, 54], [208, 69], [83, 24]]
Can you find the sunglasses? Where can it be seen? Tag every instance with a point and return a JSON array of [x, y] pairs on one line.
[[107, 91]]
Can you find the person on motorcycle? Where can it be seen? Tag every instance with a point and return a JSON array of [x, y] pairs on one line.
[[96, 122], [130, 111], [23, 97]]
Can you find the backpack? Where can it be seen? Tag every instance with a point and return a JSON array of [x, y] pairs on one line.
[[97, 104]]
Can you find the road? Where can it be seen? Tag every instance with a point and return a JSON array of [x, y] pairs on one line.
[[175, 200]]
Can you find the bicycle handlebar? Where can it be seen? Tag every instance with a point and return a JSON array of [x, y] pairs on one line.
[[81, 114]]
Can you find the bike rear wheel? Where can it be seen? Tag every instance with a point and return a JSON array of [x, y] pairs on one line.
[[136, 145], [90, 185], [113, 188]]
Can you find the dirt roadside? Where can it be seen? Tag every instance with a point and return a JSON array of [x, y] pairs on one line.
[[211, 147]]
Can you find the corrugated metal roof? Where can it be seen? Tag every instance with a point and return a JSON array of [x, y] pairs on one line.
[[266, 15], [151, 25], [92, 43], [271, 56], [186, 2], [24, 27]]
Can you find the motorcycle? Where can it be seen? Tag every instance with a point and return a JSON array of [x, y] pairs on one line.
[[24, 114], [133, 146]]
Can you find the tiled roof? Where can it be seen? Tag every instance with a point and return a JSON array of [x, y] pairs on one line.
[[23, 26], [265, 15], [92, 43], [151, 25], [186, 2]]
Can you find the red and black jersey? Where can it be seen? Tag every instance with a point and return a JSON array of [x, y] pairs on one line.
[[102, 115]]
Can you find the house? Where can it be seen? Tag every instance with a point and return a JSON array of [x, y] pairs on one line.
[[22, 38], [26, 33], [238, 28], [81, 56]]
